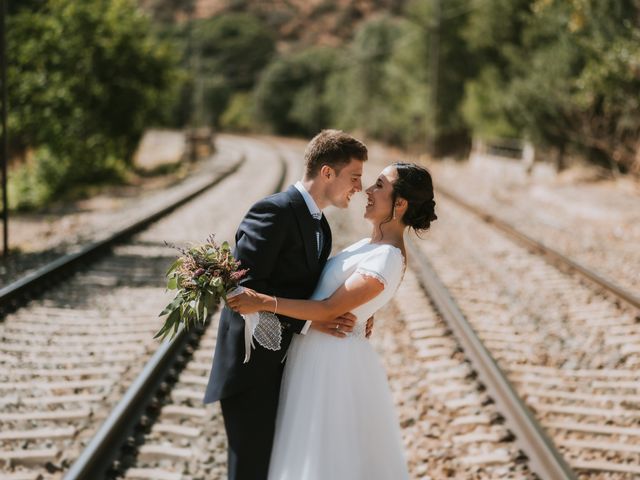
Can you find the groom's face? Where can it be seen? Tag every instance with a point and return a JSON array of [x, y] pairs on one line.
[[341, 186]]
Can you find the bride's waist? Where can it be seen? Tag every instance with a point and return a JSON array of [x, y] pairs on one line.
[[358, 333]]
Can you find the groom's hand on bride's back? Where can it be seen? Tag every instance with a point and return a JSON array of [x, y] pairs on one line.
[[339, 327]]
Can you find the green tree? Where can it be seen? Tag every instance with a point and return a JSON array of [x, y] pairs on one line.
[[228, 52], [361, 92], [493, 33], [167, 11], [450, 65], [562, 73], [84, 80], [235, 45], [290, 96]]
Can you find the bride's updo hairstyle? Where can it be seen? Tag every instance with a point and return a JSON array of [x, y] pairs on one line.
[[414, 184]]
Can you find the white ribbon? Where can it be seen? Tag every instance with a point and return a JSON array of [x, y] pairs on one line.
[[264, 326]]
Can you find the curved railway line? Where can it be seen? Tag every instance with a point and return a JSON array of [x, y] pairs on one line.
[[554, 257], [569, 347], [70, 354], [596, 225], [87, 394]]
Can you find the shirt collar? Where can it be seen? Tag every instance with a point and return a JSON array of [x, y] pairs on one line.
[[308, 199]]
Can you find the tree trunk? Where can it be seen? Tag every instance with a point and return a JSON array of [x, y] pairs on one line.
[[560, 159]]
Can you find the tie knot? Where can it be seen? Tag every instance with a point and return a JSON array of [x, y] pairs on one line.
[[316, 216]]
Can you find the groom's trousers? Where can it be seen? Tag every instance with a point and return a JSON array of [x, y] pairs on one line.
[[249, 418]]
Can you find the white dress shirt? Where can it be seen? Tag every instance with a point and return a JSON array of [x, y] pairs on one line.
[[315, 213]]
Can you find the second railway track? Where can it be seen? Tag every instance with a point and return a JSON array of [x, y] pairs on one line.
[[570, 353], [570, 349], [69, 356], [432, 382]]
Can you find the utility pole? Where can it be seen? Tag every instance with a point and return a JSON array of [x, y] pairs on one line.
[[5, 136], [434, 66]]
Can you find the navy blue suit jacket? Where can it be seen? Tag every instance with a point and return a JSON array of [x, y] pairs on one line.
[[276, 242]]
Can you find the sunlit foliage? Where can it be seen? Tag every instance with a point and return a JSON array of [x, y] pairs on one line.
[[84, 80]]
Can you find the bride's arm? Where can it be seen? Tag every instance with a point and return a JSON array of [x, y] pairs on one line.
[[357, 290]]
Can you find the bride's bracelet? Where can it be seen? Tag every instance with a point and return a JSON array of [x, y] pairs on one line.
[[275, 299]]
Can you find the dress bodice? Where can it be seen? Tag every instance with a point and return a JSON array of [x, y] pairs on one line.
[[381, 261]]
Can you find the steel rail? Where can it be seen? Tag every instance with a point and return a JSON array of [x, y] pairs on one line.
[[101, 459], [98, 459], [544, 459], [551, 255], [26, 287]]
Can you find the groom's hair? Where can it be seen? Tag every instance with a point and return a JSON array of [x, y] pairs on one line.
[[333, 148]]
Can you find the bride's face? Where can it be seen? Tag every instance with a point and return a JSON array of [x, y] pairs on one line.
[[379, 196]]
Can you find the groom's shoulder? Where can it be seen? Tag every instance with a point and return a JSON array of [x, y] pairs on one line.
[[280, 200], [276, 206]]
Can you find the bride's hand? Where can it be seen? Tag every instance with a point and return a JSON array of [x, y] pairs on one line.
[[249, 301]]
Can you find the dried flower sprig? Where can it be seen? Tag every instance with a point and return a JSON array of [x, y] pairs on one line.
[[202, 276]]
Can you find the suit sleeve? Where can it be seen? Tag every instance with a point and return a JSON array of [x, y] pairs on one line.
[[259, 243]]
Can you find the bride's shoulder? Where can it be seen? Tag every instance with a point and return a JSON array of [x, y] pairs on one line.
[[357, 245], [384, 262], [388, 258], [391, 252]]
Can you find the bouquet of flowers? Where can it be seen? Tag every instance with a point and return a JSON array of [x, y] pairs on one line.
[[202, 275]]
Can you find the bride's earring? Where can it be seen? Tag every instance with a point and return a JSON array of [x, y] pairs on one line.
[[394, 212]]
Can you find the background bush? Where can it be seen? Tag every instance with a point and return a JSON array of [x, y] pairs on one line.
[[84, 79]]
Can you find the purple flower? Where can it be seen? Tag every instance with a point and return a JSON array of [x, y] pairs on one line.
[[198, 272], [237, 275]]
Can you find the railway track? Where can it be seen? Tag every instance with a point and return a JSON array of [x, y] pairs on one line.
[[479, 435], [569, 349], [551, 254], [69, 355], [188, 441], [455, 421], [36, 280], [180, 401], [592, 223]]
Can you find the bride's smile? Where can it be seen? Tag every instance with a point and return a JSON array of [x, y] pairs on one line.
[[379, 196]]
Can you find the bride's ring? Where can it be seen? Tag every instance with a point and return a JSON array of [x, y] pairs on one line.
[[337, 328]]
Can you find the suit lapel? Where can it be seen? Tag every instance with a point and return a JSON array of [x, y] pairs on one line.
[[326, 230], [306, 223]]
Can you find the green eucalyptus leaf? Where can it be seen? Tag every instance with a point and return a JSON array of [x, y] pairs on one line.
[[200, 315], [172, 306], [171, 321], [162, 331], [174, 265], [210, 300], [176, 325]]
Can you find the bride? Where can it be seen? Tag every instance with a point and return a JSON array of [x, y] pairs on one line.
[[336, 418]]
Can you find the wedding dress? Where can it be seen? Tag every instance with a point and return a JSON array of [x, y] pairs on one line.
[[336, 418]]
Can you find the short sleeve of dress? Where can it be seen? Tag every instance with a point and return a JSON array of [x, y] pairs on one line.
[[385, 264]]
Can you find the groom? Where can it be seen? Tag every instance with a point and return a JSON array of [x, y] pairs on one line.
[[284, 240]]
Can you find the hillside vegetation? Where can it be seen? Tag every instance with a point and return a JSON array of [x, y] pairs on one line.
[[86, 78]]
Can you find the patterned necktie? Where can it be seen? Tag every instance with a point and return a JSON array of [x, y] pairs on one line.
[[319, 235]]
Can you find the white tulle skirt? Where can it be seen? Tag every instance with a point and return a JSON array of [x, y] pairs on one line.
[[336, 418]]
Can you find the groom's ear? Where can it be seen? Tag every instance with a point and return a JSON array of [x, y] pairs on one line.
[[327, 172]]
